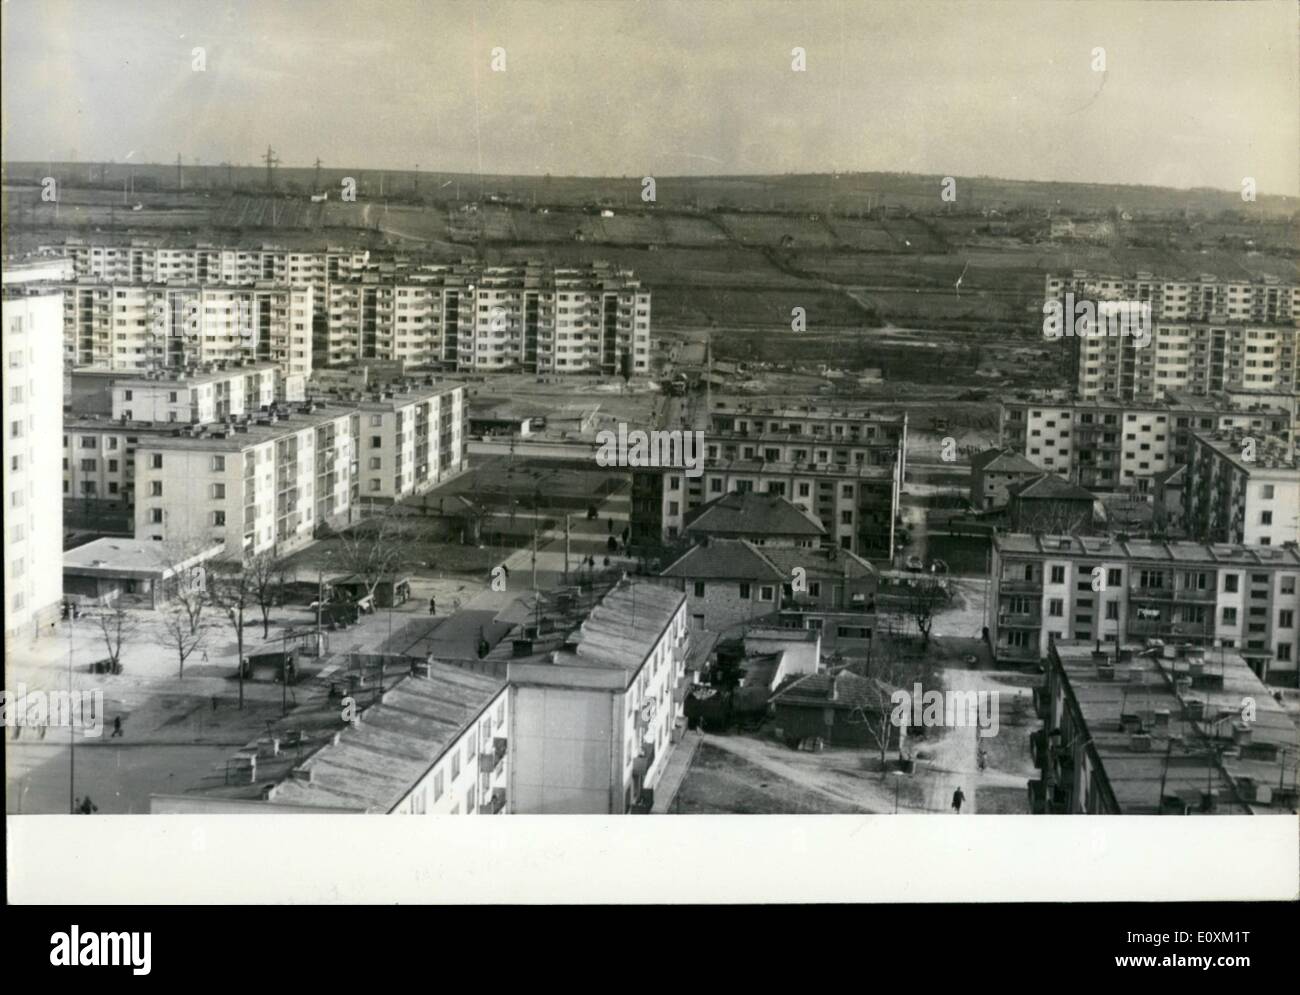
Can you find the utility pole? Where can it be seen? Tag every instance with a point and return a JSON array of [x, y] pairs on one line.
[[566, 548], [180, 173], [271, 160], [534, 558], [316, 182]]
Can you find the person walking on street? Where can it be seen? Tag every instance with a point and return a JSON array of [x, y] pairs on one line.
[[957, 799], [433, 606], [117, 726]]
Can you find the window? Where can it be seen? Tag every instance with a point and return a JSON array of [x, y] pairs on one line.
[[88, 465], [1112, 609], [155, 461], [455, 766], [1229, 616], [744, 591], [16, 430], [218, 464], [766, 593], [1231, 583], [1114, 577], [1058, 575], [218, 518], [1285, 618], [1056, 608], [155, 488], [219, 492], [699, 588], [376, 463], [1265, 518], [437, 785], [376, 442], [155, 516]]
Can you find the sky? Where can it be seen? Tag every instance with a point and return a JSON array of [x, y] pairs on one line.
[[1192, 94]]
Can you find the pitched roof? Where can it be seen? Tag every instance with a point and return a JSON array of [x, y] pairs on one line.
[[1049, 486], [724, 559], [1003, 461], [752, 513], [827, 561], [829, 690]]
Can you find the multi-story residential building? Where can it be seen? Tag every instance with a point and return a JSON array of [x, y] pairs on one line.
[[468, 317], [33, 418], [1113, 591], [843, 467], [597, 700], [1206, 335], [1104, 444], [410, 439], [268, 478], [1128, 732], [138, 326], [1241, 490], [431, 743], [198, 396], [206, 265]]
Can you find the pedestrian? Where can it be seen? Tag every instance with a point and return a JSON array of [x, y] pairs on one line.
[[214, 702], [957, 799], [117, 726], [433, 606]]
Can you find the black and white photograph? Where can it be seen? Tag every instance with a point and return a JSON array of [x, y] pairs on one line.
[[884, 411]]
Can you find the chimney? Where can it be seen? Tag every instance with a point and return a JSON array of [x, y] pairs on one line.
[[832, 694]]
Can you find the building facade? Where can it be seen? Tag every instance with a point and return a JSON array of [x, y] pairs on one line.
[[1240, 490], [33, 419], [1111, 591]]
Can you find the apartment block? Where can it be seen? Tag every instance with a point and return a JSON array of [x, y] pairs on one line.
[[1239, 489], [1207, 335], [1113, 591], [198, 396], [597, 698], [1105, 444], [1130, 732], [467, 317], [137, 326], [33, 419], [261, 479], [431, 742]]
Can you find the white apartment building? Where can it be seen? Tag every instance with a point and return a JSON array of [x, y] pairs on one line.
[[1207, 335], [120, 326], [530, 317], [197, 397], [1228, 497], [205, 265], [1104, 445], [434, 743], [1100, 589], [594, 719], [410, 440], [33, 418]]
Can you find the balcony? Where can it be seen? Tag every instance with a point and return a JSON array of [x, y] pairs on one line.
[[1020, 620], [1020, 654], [1014, 586], [1150, 593], [493, 804]]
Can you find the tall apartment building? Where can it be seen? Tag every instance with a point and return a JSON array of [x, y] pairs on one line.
[[846, 468], [597, 700], [466, 317], [1111, 591], [1104, 444], [33, 417], [265, 479], [121, 326], [206, 265], [1228, 497], [1207, 335]]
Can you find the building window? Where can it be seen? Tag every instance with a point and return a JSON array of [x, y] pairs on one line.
[[1230, 583], [218, 464], [155, 461], [219, 492], [155, 516], [699, 588], [744, 591], [766, 593], [1056, 608], [1058, 575], [218, 518], [1229, 616]]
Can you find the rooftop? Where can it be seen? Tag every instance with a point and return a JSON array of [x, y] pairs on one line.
[[1185, 755], [1003, 461], [1049, 487], [1060, 547], [1270, 455], [116, 557], [752, 513]]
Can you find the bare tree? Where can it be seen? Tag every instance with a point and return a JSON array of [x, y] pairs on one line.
[[182, 558], [116, 626], [926, 595], [230, 588], [178, 634], [887, 672], [266, 584], [373, 549]]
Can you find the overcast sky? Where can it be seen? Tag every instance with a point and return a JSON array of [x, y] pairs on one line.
[[1193, 94]]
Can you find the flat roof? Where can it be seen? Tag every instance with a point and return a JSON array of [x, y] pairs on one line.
[[1270, 455], [112, 557], [1145, 686], [1183, 552]]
